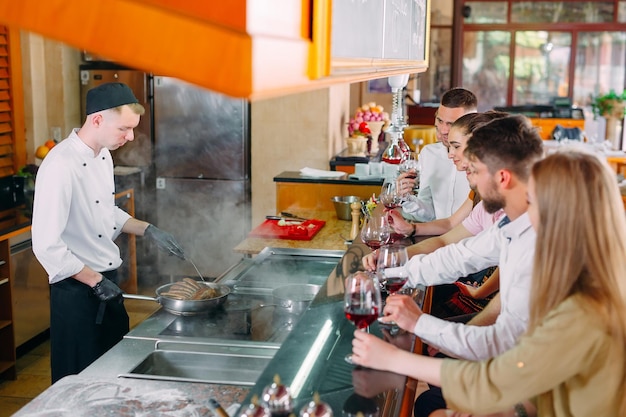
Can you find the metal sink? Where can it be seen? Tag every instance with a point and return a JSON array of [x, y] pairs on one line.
[[231, 364]]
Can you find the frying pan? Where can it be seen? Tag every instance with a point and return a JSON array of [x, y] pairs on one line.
[[186, 307]]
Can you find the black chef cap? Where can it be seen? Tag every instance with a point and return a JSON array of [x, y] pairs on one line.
[[107, 96]]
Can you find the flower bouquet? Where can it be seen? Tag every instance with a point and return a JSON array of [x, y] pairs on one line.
[[368, 122]]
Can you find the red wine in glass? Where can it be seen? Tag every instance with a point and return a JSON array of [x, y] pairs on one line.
[[362, 317], [391, 204], [362, 301], [374, 244], [393, 284], [395, 237]]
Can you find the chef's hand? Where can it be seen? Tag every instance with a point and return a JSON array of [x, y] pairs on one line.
[[164, 240], [106, 290]]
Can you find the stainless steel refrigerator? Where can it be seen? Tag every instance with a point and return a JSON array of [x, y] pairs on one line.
[[202, 164]]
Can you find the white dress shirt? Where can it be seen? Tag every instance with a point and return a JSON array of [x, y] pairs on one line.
[[512, 248], [442, 189], [75, 219]]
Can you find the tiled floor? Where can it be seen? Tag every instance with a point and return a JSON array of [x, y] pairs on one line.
[[33, 368]]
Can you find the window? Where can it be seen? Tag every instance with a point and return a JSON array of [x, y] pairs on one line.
[[531, 52]]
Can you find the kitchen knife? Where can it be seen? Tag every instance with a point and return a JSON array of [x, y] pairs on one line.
[[291, 216], [286, 218]]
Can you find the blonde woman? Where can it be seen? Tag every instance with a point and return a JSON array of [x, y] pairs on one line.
[[571, 361]]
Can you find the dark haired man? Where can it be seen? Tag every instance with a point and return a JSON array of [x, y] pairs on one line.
[[501, 154], [442, 189]]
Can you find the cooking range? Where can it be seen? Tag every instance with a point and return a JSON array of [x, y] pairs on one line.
[[251, 311]]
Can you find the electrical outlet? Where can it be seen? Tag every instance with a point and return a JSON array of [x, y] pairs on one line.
[[160, 183]]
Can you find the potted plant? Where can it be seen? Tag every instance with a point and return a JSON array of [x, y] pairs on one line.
[[612, 107]]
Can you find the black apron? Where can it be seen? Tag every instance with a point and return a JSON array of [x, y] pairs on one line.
[[76, 337]]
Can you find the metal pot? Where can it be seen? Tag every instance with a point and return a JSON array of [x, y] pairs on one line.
[[295, 298], [186, 307]]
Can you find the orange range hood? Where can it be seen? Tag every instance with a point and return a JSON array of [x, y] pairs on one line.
[[243, 48]]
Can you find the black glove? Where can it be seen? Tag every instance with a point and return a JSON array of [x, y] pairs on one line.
[[106, 290], [165, 241]]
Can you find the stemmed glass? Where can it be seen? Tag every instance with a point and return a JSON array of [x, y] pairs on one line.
[[410, 166], [389, 195], [375, 231], [392, 256], [362, 302]]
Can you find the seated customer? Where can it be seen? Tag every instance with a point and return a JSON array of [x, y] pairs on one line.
[[442, 188], [571, 361], [470, 219]]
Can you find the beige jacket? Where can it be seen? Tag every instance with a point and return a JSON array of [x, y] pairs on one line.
[[568, 363]]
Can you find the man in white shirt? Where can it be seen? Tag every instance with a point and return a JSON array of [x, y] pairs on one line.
[[75, 222], [501, 154], [442, 189]]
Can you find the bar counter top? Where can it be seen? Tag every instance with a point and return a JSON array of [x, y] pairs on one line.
[[330, 237], [294, 176]]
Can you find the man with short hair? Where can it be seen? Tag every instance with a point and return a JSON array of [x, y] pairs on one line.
[[501, 154], [75, 222], [442, 189]]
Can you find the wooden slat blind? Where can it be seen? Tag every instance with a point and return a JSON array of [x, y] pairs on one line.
[[7, 138]]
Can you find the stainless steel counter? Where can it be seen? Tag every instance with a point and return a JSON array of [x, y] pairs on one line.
[[311, 359], [249, 326]]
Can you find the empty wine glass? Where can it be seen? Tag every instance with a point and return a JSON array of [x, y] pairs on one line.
[[375, 231], [392, 256], [362, 302]]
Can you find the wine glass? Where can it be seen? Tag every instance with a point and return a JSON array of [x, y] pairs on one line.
[[375, 231], [389, 195], [410, 166], [362, 302], [392, 256]]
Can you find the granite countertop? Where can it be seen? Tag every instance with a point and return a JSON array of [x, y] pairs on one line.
[[329, 237], [80, 396]]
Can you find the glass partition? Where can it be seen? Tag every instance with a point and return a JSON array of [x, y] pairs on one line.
[[486, 64]]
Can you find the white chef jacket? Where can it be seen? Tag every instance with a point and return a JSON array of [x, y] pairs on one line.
[[75, 219], [442, 189], [512, 248]]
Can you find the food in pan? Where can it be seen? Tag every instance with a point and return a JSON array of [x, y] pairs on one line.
[[189, 289]]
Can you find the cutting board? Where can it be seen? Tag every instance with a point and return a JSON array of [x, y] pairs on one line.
[[270, 229]]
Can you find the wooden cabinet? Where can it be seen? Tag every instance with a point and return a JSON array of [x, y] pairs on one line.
[[7, 337], [243, 48]]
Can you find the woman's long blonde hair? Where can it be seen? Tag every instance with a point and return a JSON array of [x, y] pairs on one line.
[[581, 241]]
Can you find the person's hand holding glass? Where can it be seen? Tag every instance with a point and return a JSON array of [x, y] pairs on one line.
[[390, 268], [390, 195], [375, 231], [362, 303], [408, 175]]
